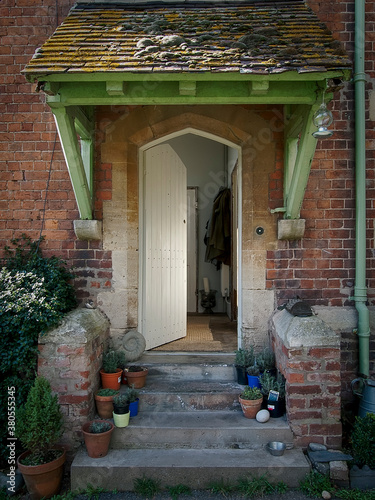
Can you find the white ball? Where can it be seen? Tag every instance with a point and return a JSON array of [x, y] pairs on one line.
[[263, 416]]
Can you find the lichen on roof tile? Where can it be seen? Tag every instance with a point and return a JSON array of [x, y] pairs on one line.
[[276, 36]]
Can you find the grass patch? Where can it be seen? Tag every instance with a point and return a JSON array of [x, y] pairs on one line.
[[176, 491], [315, 483], [146, 487]]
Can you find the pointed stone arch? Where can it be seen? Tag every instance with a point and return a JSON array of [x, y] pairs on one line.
[[138, 128]]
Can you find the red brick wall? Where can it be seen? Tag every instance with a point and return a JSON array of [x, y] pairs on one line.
[[319, 269], [28, 150]]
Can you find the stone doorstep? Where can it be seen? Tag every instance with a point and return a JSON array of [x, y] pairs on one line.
[[200, 429], [193, 468], [194, 366]]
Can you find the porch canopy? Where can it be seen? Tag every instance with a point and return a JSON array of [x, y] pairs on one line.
[[141, 53]]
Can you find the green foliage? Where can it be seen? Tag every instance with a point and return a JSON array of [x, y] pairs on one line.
[[363, 441], [356, 494], [251, 393], [39, 422], [221, 487], [113, 360], [35, 293], [259, 486], [245, 357], [98, 427], [107, 392], [253, 370], [270, 383], [146, 487], [176, 491], [120, 399], [266, 359], [131, 394], [315, 483]]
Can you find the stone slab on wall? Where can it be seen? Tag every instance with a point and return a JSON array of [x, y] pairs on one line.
[[70, 357]]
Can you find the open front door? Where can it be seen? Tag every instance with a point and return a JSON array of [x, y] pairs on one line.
[[164, 302]]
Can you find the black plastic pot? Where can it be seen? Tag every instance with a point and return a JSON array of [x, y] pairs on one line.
[[241, 375], [276, 408], [121, 409]]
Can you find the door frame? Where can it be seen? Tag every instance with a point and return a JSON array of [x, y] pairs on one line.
[[141, 162]]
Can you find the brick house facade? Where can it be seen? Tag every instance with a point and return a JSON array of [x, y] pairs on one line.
[[320, 268]]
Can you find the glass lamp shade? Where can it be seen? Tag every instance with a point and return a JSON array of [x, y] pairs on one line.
[[322, 119]]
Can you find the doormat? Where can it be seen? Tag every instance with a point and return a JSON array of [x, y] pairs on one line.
[[198, 337]]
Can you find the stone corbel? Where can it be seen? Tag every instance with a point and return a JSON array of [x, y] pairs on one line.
[[88, 229]]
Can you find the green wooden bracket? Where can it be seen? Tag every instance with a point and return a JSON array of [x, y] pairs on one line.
[[73, 157], [300, 148]]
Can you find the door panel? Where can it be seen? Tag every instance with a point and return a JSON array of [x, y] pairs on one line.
[[192, 250], [165, 248]]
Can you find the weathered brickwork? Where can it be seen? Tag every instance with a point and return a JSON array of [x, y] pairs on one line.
[[320, 268], [37, 198], [70, 357], [313, 388]]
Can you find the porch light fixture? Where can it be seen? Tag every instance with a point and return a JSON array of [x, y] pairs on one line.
[[322, 119]]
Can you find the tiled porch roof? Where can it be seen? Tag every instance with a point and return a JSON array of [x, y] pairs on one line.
[[260, 37]]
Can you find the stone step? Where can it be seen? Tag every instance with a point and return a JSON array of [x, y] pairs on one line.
[[203, 429], [172, 366], [191, 467], [188, 395]]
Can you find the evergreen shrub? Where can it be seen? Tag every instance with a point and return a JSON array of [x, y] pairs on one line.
[[35, 293]]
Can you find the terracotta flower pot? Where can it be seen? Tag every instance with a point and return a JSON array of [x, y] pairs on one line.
[[136, 379], [42, 481], [97, 444], [250, 407], [111, 380], [104, 406]]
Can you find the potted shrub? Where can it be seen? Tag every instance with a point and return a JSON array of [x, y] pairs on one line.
[[251, 401], [39, 426], [273, 390], [104, 402], [97, 436], [244, 358], [121, 411], [266, 361], [111, 373], [136, 376], [133, 398], [253, 376], [362, 473]]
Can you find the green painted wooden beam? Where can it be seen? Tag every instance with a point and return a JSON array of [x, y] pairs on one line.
[[175, 75], [73, 158], [300, 157], [169, 92]]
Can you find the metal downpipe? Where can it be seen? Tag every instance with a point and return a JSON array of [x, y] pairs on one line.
[[360, 291]]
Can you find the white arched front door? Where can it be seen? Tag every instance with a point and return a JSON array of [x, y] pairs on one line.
[[164, 275]]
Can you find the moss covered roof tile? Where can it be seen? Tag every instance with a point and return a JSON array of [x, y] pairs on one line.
[[249, 37]]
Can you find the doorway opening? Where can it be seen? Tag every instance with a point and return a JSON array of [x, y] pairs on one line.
[[192, 306]]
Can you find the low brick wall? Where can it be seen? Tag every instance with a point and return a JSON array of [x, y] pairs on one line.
[[308, 355], [70, 357]]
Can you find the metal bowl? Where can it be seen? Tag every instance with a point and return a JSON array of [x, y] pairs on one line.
[[276, 448]]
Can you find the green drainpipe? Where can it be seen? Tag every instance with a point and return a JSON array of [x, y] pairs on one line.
[[360, 293]]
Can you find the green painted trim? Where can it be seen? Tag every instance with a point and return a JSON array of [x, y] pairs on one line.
[[128, 76], [169, 92], [73, 158], [301, 169]]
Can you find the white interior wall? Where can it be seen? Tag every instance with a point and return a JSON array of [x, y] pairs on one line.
[[205, 160]]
